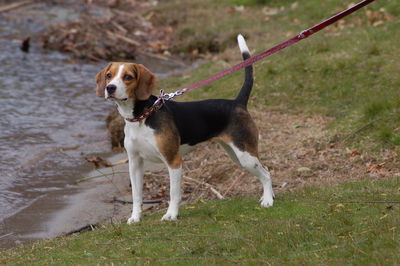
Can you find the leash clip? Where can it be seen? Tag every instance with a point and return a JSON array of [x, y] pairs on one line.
[[168, 96]]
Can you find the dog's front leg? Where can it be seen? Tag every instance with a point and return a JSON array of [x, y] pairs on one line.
[[175, 176], [136, 176]]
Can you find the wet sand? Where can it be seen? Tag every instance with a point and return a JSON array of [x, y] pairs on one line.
[[89, 202]]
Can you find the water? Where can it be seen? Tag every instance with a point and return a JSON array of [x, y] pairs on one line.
[[48, 112], [50, 120]]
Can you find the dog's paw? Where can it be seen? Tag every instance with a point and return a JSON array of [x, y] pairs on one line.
[[267, 201], [169, 217], [133, 220]]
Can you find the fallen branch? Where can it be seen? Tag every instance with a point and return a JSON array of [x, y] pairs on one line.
[[283, 185], [155, 201], [160, 57], [89, 227], [213, 190], [119, 27], [127, 14], [155, 174], [123, 161], [6, 235], [96, 176], [14, 6], [123, 38], [358, 130], [233, 183], [100, 161], [368, 202]]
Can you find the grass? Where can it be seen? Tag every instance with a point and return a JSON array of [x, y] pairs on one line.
[[314, 226], [349, 73]]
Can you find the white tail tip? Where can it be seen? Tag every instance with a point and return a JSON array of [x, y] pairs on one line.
[[242, 44]]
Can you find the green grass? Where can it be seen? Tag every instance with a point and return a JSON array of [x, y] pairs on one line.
[[314, 226], [352, 75]]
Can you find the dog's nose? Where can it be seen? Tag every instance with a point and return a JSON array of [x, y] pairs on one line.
[[111, 88]]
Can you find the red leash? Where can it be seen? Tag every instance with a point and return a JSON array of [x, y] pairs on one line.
[[301, 36]]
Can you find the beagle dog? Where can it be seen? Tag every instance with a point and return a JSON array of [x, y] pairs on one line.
[[166, 134]]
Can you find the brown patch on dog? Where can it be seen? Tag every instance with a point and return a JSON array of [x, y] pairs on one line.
[[225, 138], [145, 83], [242, 132], [168, 141], [101, 81], [176, 163], [169, 148]]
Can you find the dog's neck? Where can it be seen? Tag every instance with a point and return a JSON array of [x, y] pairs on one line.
[[125, 108], [130, 109], [141, 106]]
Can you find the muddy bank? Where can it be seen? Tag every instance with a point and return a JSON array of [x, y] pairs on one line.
[[121, 30], [111, 30], [89, 202]]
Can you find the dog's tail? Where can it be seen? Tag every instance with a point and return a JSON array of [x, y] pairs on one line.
[[244, 94]]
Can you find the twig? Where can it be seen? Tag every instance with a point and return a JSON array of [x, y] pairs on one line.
[[123, 161], [155, 174], [100, 161], [368, 202], [96, 176], [119, 27], [7, 235], [213, 190], [127, 14], [233, 183], [352, 134], [15, 5], [157, 56], [359, 250], [123, 38], [219, 196], [88, 227], [144, 201], [94, 58]]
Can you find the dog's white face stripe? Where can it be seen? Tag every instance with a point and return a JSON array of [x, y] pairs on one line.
[[120, 93], [120, 68]]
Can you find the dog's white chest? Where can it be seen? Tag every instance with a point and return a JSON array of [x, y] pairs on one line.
[[140, 139]]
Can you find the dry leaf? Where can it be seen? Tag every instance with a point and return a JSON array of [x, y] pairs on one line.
[[352, 152], [374, 168]]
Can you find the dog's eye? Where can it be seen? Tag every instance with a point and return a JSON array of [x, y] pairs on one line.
[[108, 76], [128, 77]]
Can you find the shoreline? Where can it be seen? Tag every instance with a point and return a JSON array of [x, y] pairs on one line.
[[53, 204], [89, 202]]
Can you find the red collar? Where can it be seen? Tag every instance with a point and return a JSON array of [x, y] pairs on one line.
[[156, 106]]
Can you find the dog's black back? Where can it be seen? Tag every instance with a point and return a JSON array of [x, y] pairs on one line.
[[200, 120]]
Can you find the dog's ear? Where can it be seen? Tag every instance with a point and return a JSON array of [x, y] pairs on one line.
[[101, 81], [146, 82]]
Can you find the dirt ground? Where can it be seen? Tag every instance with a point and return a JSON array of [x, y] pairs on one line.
[[297, 149]]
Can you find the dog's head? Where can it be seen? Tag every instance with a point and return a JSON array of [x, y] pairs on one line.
[[120, 81]]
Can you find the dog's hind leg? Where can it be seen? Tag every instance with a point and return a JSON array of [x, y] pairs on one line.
[[230, 152], [253, 165]]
